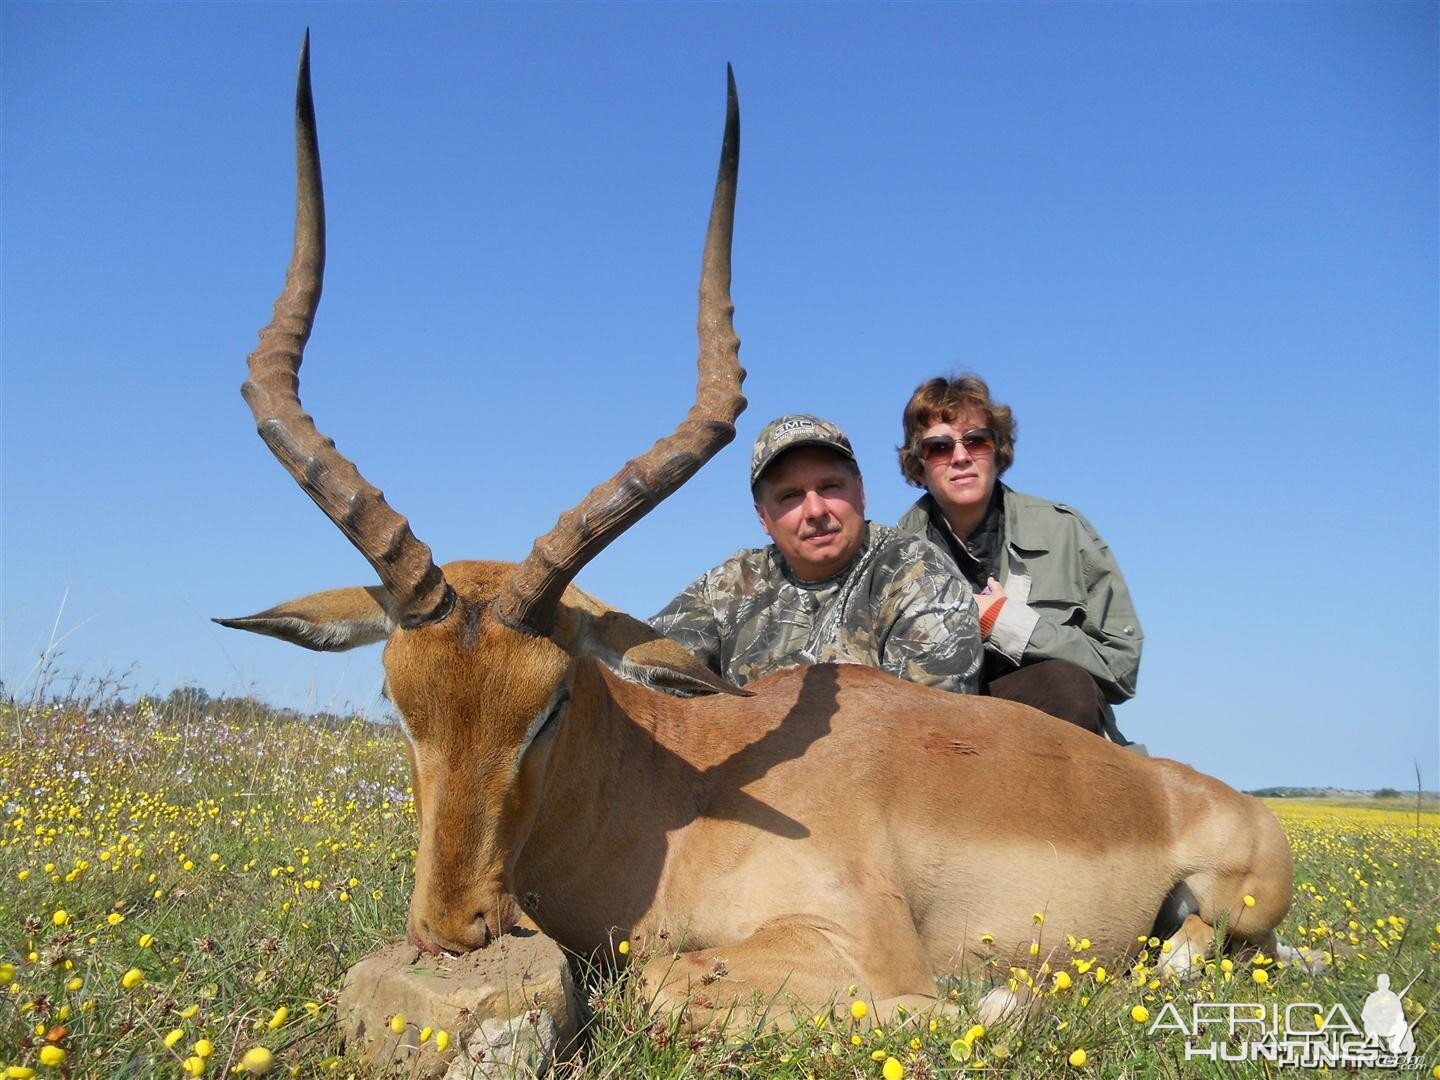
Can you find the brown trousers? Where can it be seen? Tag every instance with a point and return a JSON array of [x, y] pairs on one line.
[[1057, 687]]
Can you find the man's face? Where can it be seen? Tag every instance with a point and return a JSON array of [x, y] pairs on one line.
[[812, 505], [960, 480]]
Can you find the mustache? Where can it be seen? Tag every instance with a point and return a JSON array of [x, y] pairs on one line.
[[824, 529]]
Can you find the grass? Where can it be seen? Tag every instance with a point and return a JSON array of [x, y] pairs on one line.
[[194, 875]]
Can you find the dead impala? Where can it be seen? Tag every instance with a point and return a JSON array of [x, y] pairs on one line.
[[835, 827]]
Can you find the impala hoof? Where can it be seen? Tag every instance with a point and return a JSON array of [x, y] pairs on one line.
[[996, 1006]]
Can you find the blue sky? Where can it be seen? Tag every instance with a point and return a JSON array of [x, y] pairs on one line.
[[1194, 246]]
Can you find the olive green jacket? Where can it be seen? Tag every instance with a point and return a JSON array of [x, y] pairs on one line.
[[1066, 597]]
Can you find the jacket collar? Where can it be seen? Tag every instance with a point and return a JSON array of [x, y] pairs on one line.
[[1022, 531]]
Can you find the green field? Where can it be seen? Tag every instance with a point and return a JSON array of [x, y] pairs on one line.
[[190, 875]]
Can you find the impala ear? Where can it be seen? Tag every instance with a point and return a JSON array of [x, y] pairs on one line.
[[666, 665], [330, 621], [633, 650]]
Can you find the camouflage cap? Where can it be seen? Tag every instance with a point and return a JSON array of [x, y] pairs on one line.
[[788, 432]]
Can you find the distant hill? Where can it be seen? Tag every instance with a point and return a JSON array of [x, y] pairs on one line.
[[1387, 794]]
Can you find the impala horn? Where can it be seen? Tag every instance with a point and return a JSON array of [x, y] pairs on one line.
[[404, 564], [533, 591]]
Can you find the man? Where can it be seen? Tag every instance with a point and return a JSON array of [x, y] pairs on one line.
[[831, 587], [1059, 628]]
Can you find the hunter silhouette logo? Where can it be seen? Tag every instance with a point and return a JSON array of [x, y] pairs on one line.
[[1384, 1018]]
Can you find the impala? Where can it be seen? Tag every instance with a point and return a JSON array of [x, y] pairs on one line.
[[833, 827]]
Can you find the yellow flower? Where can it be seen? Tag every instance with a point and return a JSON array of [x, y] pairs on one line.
[[1062, 980], [1140, 1014], [623, 948], [189, 1012], [114, 918], [23, 875], [257, 1061], [858, 1009], [1039, 918], [960, 1050], [174, 1037], [397, 1023], [132, 978], [1077, 1058], [1249, 900], [51, 1056], [989, 939], [977, 1031], [146, 940], [20, 1072], [1034, 948], [425, 1034], [442, 1040], [75, 984], [282, 1014], [60, 918], [892, 1069], [193, 1066], [878, 1055], [203, 1048], [1260, 975]]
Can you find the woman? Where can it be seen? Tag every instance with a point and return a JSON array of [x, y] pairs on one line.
[[1059, 627]]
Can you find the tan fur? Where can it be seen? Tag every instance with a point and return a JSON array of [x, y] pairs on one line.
[[838, 827]]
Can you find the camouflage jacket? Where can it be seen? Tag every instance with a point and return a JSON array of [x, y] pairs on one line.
[[899, 607]]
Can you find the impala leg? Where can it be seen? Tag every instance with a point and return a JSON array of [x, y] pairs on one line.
[[1246, 880], [786, 973], [784, 970], [1249, 927], [1192, 941], [1002, 1004]]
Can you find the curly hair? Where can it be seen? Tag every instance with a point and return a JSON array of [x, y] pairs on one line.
[[941, 401]]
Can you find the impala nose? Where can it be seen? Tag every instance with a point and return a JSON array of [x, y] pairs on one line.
[[450, 935]]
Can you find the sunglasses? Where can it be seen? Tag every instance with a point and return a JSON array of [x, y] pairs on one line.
[[978, 442]]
